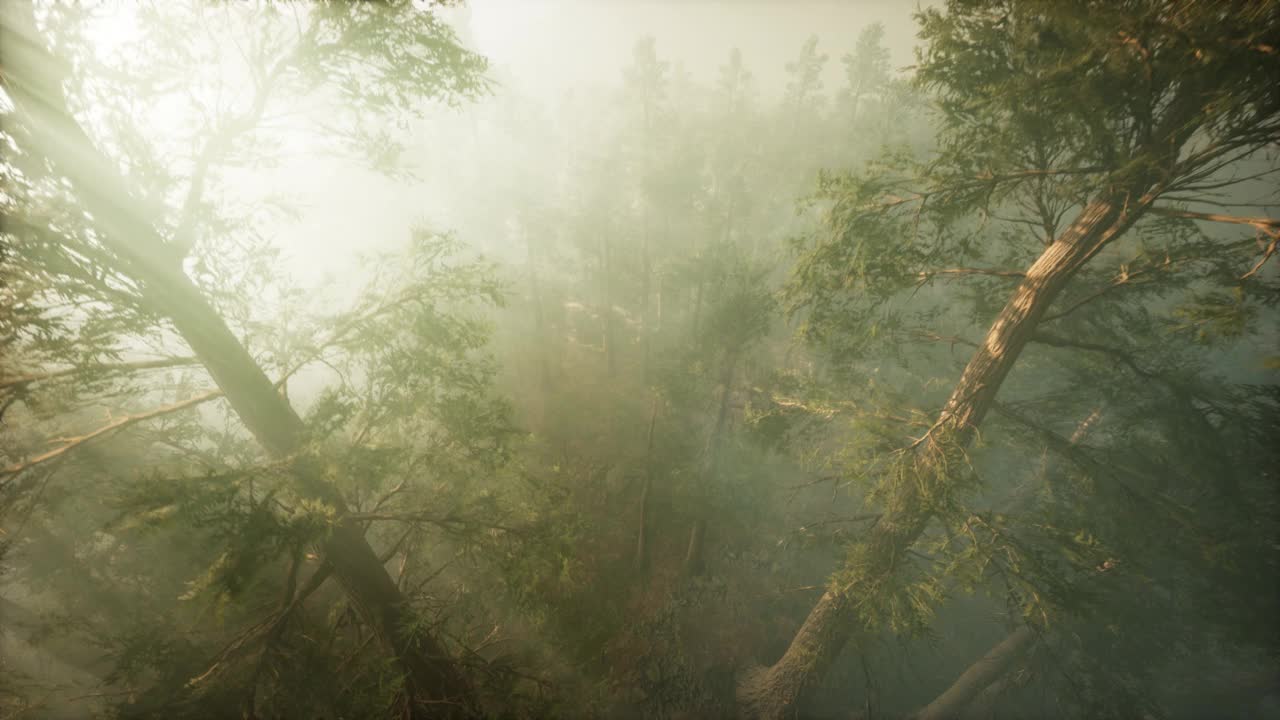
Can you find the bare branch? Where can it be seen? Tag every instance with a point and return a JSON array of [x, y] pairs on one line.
[[72, 443], [1266, 255], [21, 380], [1270, 226], [971, 271], [445, 522], [1124, 357]]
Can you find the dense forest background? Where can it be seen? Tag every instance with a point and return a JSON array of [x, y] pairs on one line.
[[923, 368]]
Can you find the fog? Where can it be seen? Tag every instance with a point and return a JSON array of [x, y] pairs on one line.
[[547, 53], [639, 359]]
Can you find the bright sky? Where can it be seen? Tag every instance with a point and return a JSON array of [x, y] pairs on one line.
[[540, 49], [552, 45]]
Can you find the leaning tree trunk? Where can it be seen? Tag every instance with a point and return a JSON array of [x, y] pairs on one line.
[[982, 682], [775, 692], [978, 677], [30, 76]]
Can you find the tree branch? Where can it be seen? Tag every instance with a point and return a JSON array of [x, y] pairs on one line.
[[971, 271], [1055, 341], [1266, 255], [72, 443], [21, 380], [1270, 226]]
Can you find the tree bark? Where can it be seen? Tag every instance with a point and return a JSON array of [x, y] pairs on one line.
[[32, 79]]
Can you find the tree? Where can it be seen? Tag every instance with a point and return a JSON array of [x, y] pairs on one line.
[[128, 258], [1083, 111], [646, 81], [803, 95], [866, 69]]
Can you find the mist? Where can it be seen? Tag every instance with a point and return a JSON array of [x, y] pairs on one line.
[[639, 359]]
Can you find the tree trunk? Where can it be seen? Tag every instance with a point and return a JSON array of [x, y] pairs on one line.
[[980, 684], [646, 270], [984, 706], [775, 692], [539, 330], [610, 332], [694, 563], [697, 306], [31, 78], [642, 534], [978, 677]]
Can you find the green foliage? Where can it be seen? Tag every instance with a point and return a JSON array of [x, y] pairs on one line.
[[507, 431]]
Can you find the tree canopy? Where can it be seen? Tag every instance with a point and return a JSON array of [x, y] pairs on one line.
[[934, 391]]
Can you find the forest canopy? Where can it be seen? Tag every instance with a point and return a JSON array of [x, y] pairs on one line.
[[345, 372]]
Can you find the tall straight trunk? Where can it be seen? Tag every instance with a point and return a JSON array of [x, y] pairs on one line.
[[539, 328], [728, 215], [657, 325], [432, 680], [642, 534], [776, 691], [694, 562], [606, 281], [646, 274], [646, 261], [697, 306]]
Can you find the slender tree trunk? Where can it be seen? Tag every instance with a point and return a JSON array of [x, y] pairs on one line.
[[657, 325], [965, 696], [694, 562], [539, 328], [433, 682], [606, 279], [728, 215], [646, 273], [645, 250], [642, 534], [697, 306]]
